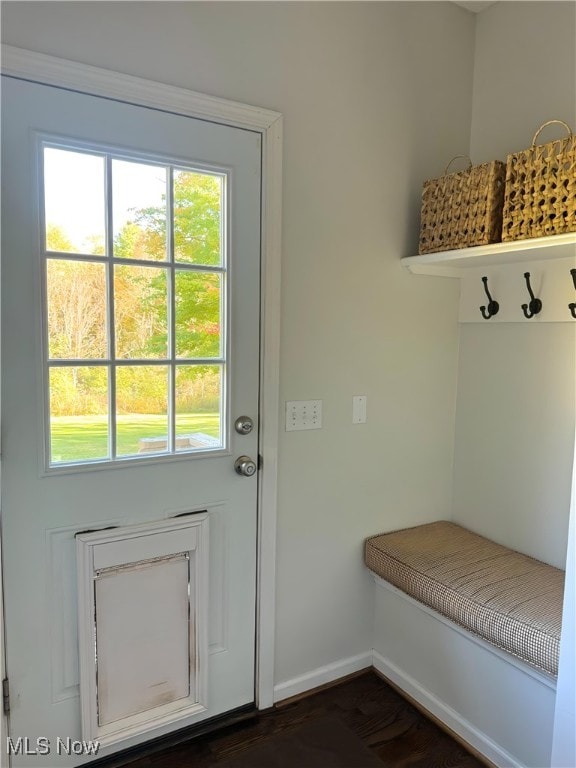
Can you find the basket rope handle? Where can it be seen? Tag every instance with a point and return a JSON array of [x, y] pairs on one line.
[[551, 122], [457, 157]]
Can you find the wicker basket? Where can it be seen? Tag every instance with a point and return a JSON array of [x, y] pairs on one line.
[[463, 209], [540, 193]]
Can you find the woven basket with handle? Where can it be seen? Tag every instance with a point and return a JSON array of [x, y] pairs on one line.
[[462, 209], [540, 192]]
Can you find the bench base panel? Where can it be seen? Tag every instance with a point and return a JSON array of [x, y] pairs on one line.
[[498, 705]]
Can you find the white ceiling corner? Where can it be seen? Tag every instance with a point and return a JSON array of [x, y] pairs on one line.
[[475, 7]]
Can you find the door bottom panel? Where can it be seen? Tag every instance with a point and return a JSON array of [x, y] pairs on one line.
[[143, 635]]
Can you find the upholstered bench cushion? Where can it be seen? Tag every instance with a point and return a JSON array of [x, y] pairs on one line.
[[509, 599]]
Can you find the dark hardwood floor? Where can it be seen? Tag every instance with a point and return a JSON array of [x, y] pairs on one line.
[[386, 723]]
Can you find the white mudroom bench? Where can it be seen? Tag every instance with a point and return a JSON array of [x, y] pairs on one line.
[[471, 630]]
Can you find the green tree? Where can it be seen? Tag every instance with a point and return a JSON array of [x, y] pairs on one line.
[[76, 292], [197, 314], [133, 241], [197, 221], [197, 241], [56, 240], [76, 303]]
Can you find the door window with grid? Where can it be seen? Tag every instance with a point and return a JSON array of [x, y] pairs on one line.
[[135, 266]]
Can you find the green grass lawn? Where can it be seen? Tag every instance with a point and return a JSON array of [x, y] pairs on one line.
[[77, 438]]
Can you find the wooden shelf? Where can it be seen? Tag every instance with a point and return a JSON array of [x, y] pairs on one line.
[[457, 263]]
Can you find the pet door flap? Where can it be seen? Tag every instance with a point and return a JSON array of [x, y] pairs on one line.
[[142, 626]]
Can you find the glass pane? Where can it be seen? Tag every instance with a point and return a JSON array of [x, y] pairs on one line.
[[140, 312], [198, 314], [139, 210], [198, 407], [76, 309], [78, 414], [141, 409], [74, 202], [198, 218]]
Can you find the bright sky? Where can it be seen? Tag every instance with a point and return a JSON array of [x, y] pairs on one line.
[[75, 192]]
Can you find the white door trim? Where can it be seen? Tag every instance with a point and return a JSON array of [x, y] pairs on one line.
[[49, 70], [3, 718]]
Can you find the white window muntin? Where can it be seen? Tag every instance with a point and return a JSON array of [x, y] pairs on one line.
[[111, 362]]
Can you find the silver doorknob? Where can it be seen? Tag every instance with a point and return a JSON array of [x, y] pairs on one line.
[[245, 466], [243, 425]]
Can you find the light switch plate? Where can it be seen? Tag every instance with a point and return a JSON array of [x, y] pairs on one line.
[[303, 414], [359, 409]]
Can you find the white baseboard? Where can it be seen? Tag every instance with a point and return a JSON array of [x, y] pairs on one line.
[[321, 676], [445, 714]]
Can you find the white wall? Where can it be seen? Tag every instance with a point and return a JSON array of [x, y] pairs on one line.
[[524, 75], [515, 411], [376, 97], [515, 435]]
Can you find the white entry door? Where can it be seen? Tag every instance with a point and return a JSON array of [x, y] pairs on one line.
[[130, 347]]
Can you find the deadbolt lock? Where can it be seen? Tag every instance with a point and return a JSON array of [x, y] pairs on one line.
[[243, 425]]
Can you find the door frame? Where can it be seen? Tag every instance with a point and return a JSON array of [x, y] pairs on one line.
[[3, 717], [95, 81]]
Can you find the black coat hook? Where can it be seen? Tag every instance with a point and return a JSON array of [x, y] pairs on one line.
[[572, 307], [535, 304], [493, 306]]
